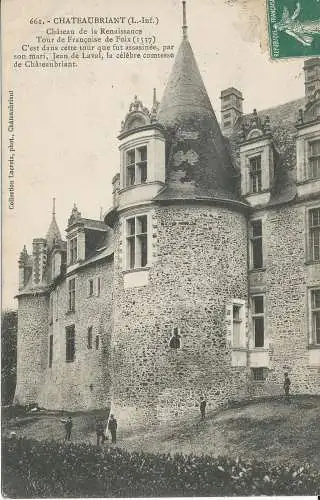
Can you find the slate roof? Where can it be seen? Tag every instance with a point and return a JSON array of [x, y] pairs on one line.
[[198, 163]]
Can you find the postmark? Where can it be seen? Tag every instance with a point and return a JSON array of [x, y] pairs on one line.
[[294, 28]]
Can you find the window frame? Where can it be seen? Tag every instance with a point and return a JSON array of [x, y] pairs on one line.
[[137, 244], [73, 250], [313, 157], [70, 336], [257, 175], [310, 231], [255, 370], [253, 239], [89, 337], [313, 340], [258, 315], [71, 295], [241, 321], [138, 167], [91, 287]]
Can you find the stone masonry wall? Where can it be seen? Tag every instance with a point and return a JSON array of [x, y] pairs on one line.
[[31, 347], [199, 265], [285, 282], [85, 382]]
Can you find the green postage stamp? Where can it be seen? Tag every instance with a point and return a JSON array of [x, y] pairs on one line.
[[294, 28]]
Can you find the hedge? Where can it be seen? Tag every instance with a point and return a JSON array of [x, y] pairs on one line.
[[55, 469]]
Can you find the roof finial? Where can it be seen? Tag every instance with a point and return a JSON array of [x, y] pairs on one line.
[[53, 207], [154, 96], [184, 22]]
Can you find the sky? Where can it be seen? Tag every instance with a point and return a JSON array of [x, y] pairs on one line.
[[67, 121]]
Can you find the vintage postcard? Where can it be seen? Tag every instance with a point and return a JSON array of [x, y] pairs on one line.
[[161, 248]]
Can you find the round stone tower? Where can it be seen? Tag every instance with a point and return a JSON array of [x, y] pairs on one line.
[[180, 257]]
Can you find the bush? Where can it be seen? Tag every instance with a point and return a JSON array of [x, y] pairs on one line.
[[53, 469]]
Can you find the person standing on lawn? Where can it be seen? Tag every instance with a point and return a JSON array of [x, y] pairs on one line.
[[68, 427], [100, 432], [112, 426], [203, 405], [286, 386]]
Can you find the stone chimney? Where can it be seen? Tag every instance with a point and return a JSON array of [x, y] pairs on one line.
[[39, 252], [311, 77], [231, 109], [25, 268]]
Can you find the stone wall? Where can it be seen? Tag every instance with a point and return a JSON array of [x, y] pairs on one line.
[[199, 265], [85, 382], [31, 347], [285, 281]]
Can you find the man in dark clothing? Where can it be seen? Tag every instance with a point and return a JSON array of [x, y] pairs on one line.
[[112, 426], [68, 427], [100, 432], [175, 339], [286, 386], [203, 405]]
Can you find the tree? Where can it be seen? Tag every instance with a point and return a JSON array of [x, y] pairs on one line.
[[9, 328]]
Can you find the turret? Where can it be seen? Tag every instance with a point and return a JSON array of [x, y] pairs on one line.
[[25, 268]]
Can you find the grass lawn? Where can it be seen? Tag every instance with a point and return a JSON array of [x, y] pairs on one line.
[[271, 431]]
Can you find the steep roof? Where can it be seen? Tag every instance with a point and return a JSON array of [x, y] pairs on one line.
[[198, 162], [53, 234]]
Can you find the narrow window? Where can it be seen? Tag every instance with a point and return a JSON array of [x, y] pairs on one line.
[[258, 320], [73, 250], [142, 164], [175, 339], [51, 309], [57, 304], [256, 244], [258, 374], [315, 315], [255, 174], [130, 167], [314, 159], [97, 342], [90, 287], [237, 324], [70, 343], [89, 338], [98, 286], [137, 242], [72, 294], [314, 233], [50, 350]]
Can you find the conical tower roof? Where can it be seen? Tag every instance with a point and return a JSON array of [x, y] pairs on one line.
[[198, 160], [53, 234]]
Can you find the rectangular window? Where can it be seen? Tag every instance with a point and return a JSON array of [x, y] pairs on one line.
[[237, 325], [51, 309], [256, 244], [72, 294], [137, 241], [90, 287], [57, 304], [98, 286], [89, 338], [258, 320], [131, 167], [50, 350], [70, 343], [255, 174], [315, 316], [136, 166], [73, 250], [314, 234], [258, 374], [314, 159]]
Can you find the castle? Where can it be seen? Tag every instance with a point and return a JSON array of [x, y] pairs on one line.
[[204, 276]]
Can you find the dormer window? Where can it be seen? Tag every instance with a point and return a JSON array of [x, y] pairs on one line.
[[136, 166], [314, 159], [255, 174], [73, 250]]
